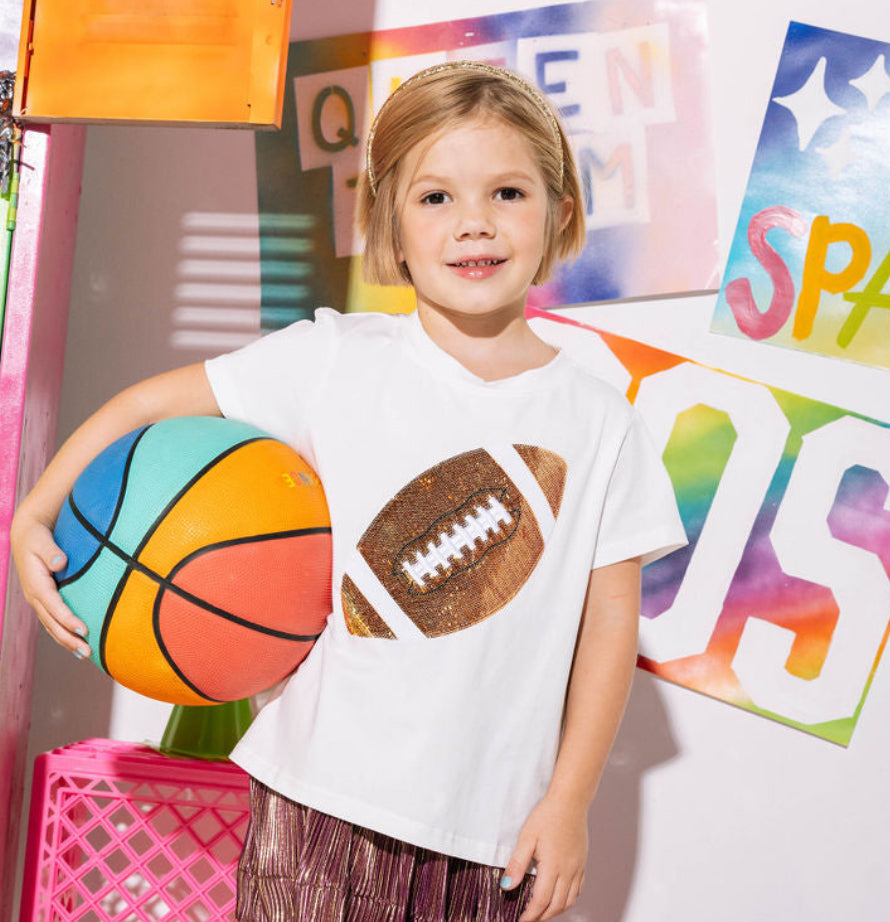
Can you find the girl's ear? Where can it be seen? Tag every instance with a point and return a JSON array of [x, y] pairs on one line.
[[397, 240], [564, 209]]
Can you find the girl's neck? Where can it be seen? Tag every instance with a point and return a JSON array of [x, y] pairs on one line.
[[492, 348]]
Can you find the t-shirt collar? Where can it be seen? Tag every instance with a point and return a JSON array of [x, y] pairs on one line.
[[445, 366]]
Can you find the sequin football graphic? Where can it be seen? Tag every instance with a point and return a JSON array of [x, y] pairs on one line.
[[457, 543]]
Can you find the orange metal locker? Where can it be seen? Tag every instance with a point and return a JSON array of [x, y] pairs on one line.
[[207, 62]]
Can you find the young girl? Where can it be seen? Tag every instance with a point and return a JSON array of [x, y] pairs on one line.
[[435, 755]]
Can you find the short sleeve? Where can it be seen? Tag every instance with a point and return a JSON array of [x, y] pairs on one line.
[[640, 516], [270, 383]]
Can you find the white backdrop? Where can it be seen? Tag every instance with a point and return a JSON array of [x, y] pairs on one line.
[[706, 812]]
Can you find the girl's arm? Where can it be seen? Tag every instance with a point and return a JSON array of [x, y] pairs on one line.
[[184, 392], [555, 834]]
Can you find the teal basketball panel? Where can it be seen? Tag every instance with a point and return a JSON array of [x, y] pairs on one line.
[[90, 595], [169, 455]]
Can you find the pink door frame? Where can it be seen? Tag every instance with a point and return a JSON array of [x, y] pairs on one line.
[[31, 362]]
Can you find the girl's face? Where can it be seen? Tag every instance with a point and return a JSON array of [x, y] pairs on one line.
[[472, 221]]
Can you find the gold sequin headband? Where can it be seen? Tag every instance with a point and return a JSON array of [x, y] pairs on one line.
[[480, 67]]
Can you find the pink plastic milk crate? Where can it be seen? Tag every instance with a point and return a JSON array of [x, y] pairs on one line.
[[119, 833]]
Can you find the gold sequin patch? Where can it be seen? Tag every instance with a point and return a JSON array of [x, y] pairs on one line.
[[361, 618], [456, 544], [550, 471]]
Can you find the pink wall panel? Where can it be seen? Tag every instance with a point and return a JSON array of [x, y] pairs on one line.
[[31, 365]]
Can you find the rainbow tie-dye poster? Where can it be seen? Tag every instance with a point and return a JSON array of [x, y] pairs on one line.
[[811, 254], [780, 604], [631, 84]]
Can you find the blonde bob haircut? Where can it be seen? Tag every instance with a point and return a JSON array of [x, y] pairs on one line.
[[434, 101]]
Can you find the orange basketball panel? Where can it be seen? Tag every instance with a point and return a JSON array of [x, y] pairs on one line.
[[234, 661], [279, 584], [132, 655], [212, 62], [261, 488]]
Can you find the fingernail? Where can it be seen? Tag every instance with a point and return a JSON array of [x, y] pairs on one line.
[[81, 632], [79, 653], [506, 881], [56, 560]]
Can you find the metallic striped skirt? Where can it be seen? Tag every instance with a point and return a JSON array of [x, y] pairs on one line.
[[301, 865]]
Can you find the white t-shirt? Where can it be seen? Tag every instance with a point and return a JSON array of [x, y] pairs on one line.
[[466, 516]]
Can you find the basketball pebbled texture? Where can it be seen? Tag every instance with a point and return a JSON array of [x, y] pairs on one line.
[[199, 556], [457, 543]]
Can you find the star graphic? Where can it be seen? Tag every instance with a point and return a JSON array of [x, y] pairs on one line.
[[810, 105], [839, 154], [874, 84]]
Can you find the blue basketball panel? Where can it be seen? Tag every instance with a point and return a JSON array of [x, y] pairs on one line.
[[97, 491], [77, 543]]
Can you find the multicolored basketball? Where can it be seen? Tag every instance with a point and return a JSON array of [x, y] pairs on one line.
[[199, 556]]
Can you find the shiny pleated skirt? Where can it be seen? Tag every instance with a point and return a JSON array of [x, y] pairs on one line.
[[301, 865]]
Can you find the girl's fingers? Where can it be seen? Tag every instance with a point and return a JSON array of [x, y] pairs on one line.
[[558, 902], [542, 896], [575, 889], [518, 863], [43, 596], [46, 550], [551, 899], [56, 625], [38, 558]]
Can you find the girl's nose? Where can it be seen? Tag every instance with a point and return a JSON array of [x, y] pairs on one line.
[[474, 221]]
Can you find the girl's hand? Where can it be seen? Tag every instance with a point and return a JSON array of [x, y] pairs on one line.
[[37, 557], [182, 392], [555, 836]]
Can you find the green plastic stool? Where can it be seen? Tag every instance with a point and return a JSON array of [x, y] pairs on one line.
[[209, 732]]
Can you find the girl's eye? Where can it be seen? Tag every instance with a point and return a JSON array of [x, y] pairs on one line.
[[434, 198], [508, 194]]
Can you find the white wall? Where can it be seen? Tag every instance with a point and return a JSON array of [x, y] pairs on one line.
[[706, 812]]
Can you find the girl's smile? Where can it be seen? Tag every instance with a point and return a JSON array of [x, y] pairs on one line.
[[480, 267]]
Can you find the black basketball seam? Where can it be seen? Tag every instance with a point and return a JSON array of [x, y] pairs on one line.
[[248, 539], [156, 608], [120, 587], [133, 564], [60, 583], [188, 485], [155, 617], [115, 596], [120, 501], [167, 585]]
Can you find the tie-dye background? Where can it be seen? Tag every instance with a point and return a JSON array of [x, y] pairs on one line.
[[818, 186], [631, 82], [781, 602]]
